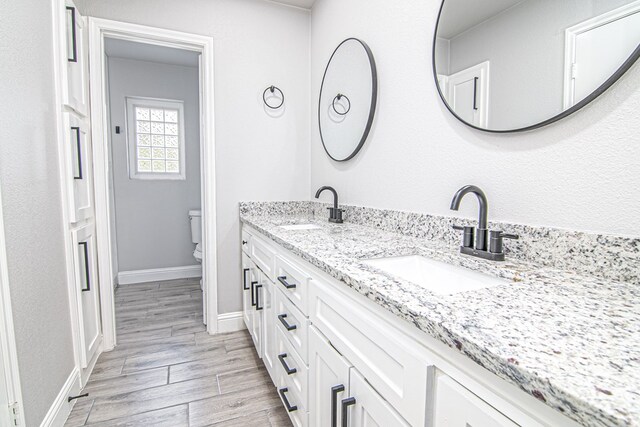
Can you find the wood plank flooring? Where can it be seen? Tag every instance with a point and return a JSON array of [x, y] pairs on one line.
[[167, 371]]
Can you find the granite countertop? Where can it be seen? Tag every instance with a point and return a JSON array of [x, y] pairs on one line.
[[571, 341]]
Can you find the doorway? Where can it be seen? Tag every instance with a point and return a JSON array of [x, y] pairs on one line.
[[145, 154]]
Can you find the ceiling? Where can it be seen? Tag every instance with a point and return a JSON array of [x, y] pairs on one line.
[[117, 48], [306, 4], [461, 15]]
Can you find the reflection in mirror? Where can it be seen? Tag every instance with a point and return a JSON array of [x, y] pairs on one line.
[[510, 65], [348, 97]]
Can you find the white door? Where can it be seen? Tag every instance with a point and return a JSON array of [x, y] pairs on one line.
[[76, 95], [328, 381], [468, 94], [367, 408], [596, 48], [5, 416], [265, 304], [257, 323], [87, 292], [78, 139], [249, 280]]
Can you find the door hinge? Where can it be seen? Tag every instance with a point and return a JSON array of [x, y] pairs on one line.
[[14, 413]]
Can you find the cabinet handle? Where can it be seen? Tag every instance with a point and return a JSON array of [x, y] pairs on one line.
[[283, 280], [287, 369], [257, 300], [334, 403], [349, 401], [244, 279], [85, 248], [76, 129], [286, 325], [74, 52], [475, 93], [253, 296], [244, 242], [282, 392]]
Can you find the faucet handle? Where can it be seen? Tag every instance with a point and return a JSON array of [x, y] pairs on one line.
[[467, 237], [495, 240], [510, 236]]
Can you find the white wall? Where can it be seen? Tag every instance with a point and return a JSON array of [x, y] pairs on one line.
[[581, 173], [151, 216], [29, 176], [258, 157]]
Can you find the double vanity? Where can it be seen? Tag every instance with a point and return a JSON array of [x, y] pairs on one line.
[[363, 323]]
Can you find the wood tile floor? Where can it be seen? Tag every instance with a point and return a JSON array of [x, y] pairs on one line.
[[167, 371]]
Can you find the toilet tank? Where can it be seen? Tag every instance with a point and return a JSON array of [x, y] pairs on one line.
[[195, 217]]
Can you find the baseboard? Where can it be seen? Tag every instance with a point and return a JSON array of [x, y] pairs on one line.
[[159, 274], [61, 407], [230, 322]]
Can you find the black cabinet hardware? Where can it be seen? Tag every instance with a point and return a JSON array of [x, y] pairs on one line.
[[475, 93], [244, 242], [349, 401], [283, 280], [85, 248], [244, 279], [253, 294], [287, 369], [282, 392], [76, 129], [257, 299], [72, 398], [287, 326], [334, 403], [74, 51]]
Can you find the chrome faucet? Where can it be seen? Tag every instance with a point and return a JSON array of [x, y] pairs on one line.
[[335, 213], [491, 248]]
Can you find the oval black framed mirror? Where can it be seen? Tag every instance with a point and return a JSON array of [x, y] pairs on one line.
[[347, 101], [516, 65]]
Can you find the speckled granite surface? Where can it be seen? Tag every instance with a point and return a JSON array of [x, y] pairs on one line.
[[572, 341]]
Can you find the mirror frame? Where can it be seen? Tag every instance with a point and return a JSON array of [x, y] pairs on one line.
[[374, 99], [626, 65]]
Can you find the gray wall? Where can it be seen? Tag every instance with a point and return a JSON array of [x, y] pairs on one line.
[[151, 216], [525, 47], [29, 176], [258, 156], [580, 173]]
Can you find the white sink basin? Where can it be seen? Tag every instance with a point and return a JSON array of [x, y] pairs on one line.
[[438, 277], [300, 227]]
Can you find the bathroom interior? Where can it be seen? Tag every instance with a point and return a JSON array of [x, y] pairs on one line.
[[320, 212]]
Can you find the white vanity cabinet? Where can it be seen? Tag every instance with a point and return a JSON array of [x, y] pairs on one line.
[[338, 358]]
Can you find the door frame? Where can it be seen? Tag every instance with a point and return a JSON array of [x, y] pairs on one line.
[[572, 33], [7, 334], [99, 29]]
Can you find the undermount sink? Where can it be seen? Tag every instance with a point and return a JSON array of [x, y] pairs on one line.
[[438, 277], [300, 227]]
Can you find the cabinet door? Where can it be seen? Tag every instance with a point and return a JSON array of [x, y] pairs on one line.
[[328, 381], [265, 304], [366, 408], [257, 321], [80, 171], [87, 288], [76, 94], [247, 278]]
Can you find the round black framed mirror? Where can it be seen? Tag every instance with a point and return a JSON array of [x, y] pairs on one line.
[[517, 65], [347, 101]]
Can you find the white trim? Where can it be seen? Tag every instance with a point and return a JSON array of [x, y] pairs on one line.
[[570, 36], [7, 333], [61, 407], [98, 30], [230, 322], [159, 274]]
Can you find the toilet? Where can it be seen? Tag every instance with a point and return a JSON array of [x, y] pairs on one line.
[[195, 217]]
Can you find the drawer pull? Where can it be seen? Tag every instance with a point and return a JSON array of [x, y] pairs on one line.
[[244, 279], [244, 242], [257, 300], [290, 408], [334, 403], [283, 280], [287, 369], [286, 325], [253, 296], [349, 401]]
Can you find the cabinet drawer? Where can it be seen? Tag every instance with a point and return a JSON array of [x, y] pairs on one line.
[[291, 400], [292, 323], [387, 358], [246, 242], [263, 256], [455, 406], [289, 364], [293, 281]]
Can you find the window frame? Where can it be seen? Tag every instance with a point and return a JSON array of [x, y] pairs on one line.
[[131, 102]]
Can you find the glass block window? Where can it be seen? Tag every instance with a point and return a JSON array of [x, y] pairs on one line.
[[155, 130]]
